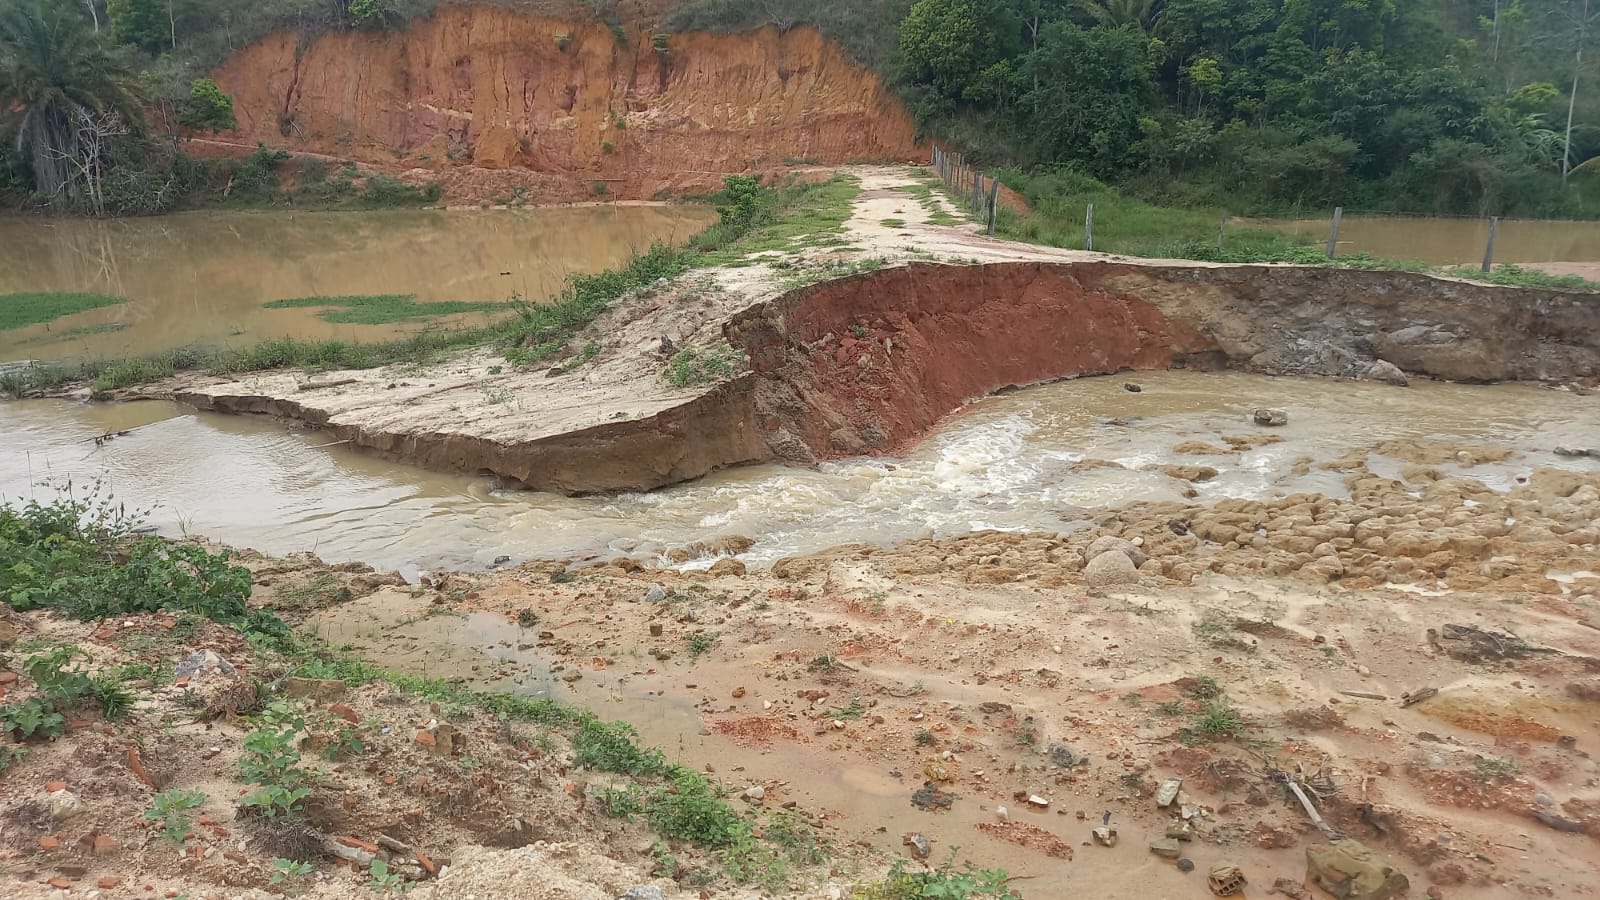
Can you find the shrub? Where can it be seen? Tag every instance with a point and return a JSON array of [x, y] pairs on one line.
[[208, 108], [611, 747]]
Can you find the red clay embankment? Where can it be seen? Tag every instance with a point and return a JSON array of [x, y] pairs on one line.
[[490, 99]]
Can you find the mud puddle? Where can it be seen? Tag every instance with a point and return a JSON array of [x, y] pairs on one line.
[[202, 278], [1037, 459]]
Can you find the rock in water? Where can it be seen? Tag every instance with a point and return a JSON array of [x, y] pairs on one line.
[[1110, 569], [1388, 373], [1272, 418], [1132, 388], [1349, 870]]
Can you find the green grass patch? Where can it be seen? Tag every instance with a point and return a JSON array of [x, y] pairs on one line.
[[33, 308], [893, 223], [383, 309], [786, 219]]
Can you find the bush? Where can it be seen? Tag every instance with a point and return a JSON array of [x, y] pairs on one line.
[[208, 108], [611, 747]]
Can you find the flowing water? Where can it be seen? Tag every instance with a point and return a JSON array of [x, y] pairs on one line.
[[1022, 460], [201, 278], [1453, 242]]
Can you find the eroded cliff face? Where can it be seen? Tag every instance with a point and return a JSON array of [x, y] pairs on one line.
[[871, 363], [490, 89]]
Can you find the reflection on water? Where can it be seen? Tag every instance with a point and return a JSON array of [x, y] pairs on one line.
[[1010, 462], [1454, 242], [201, 278]]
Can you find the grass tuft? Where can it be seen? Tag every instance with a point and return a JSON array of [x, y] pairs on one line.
[[33, 308], [383, 309]]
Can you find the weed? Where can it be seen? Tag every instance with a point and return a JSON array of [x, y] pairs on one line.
[[271, 760], [321, 591], [345, 744], [944, 883], [10, 755], [689, 809], [1133, 699], [1214, 720], [663, 863], [589, 351], [1204, 687], [1216, 629], [379, 878], [600, 188], [22, 310], [823, 661], [854, 710], [170, 809], [893, 223], [33, 719], [1493, 769], [562, 576], [611, 747], [1170, 708], [383, 309], [620, 802], [690, 368], [700, 643], [285, 870], [924, 738]]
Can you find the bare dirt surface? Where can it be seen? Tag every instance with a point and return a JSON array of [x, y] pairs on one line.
[[1257, 642]]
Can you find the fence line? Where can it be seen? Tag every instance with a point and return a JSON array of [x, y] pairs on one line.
[[972, 190]]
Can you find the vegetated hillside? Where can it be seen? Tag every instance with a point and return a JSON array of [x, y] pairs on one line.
[[1260, 105]]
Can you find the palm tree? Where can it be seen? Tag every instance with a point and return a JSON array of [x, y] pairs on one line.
[[1144, 15], [56, 78]]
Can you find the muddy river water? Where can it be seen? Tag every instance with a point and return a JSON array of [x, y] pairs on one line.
[[1015, 461], [202, 278]]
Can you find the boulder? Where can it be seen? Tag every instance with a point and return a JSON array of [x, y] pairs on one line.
[[1386, 372], [1349, 870], [1110, 569], [1107, 543], [726, 566], [1272, 418]]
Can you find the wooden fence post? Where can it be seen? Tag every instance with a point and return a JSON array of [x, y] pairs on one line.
[[994, 200], [1488, 252], [1333, 235], [1088, 228]]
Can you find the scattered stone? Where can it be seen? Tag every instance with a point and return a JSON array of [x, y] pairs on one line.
[[345, 712], [726, 566], [1185, 864], [1288, 887], [1063, 756], [358, 855], [1105, 835], [108, 882], [929, 797], [1386, 372], [755, 793], [643, 892], [319, 689], [656, 594], [1225, 879], [104, 845], [921, 847], [64, 805], [655, 629], [1038, 802], [1168, 791], [1108, 542], [49, 842], [1001, 813], [1577, 452], [1349, 870], [1166, 848], [1180, 831], [738, 693], [1110, 569], [52, 786], [203, 664], [1559, 823], [1271, 418], [1132, 388]]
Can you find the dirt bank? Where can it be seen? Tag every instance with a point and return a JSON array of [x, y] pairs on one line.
[[871, 362], [492, 102]]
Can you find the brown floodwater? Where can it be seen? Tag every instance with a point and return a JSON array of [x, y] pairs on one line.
[[1017, 461], [201, 278], [1441, 241]]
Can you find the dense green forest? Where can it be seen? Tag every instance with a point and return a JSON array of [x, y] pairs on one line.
[[1253, 106]]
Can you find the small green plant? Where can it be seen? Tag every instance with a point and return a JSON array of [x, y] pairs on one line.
[[823, 661], [621, 123], [612, 747], [859, 331], [1493, 769], [700, 643], [289, 870], [608, 147], [893, 223], [496, 370], [619, 33], [171, 809], [381, 879], [271, 759], [32, 719], [1133, 699], [663, 863], [10, 755], [1215, 720], [275, 800], [345, 744], [924, 738], [563, 41], [600, 188], [658, 42], [854, 710], [944, 883], [688, 367], [1170, 708], [689, 809], [620, 802]]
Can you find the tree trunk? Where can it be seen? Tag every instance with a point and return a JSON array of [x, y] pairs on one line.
[[95, 15], [1572, 101], [172, 23]]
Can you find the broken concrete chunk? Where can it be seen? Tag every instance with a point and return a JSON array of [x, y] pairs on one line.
[[1166, 848], [1168, 791], [1349, 870], [1105, 835], [1180, 831]]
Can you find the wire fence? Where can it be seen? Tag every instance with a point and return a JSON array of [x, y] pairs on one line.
[[979, 193]]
